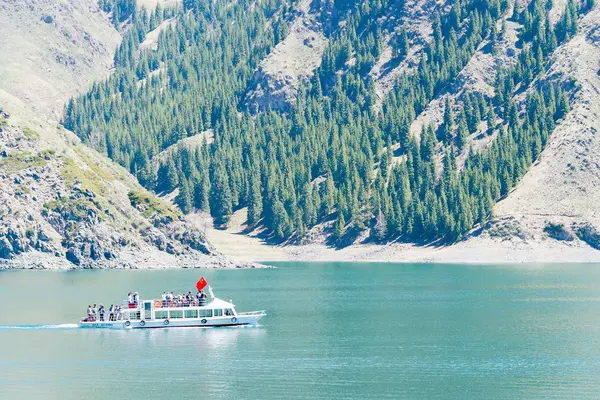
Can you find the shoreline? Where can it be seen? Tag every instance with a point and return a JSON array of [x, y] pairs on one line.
[[131, 260], [234, 243]]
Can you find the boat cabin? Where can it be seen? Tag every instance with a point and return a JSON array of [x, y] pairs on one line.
[[151, 310]]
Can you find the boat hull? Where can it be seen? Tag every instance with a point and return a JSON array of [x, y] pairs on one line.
[[176, 323]]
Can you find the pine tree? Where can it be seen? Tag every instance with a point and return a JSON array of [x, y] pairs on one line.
[[328, 196], [255, 205], [402, 43], [184, 198], [445, 132], [563, 106], [220, 197], [462, 133], [339, 226], [201, 193], [166, 179], [380, 228]]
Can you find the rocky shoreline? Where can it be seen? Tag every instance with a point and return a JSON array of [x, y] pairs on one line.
[[36, 260]]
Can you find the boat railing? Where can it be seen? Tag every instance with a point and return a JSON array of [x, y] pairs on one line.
[[158, 303], [126, 305], [178, 304]]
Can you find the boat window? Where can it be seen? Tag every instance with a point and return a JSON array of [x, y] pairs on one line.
[[134, 316], [205, 313], [191, 313], [229, 312], [161, 314], [218, 313], [176, 314]]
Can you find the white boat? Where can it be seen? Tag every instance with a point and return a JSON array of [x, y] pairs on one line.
[[145, 314]]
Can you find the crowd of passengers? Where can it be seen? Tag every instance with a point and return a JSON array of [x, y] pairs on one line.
[[180, 300], [115, 312]]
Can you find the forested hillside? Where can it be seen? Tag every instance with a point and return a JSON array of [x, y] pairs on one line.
[[62, 204], [337, 155]]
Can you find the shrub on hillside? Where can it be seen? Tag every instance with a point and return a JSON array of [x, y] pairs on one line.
[[588, 233], [558, 232]]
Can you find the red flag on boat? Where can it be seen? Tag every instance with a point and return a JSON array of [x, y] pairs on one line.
[[201, 284]]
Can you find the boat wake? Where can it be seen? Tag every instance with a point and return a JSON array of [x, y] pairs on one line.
[[37, 327]]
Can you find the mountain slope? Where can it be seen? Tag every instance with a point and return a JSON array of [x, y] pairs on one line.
[[564, 186], [62, 204], [420, 118], [289, 64], [52, 49]]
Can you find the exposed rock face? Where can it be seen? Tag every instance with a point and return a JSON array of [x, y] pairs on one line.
[[565, 183], [275, 84], [74, 207]]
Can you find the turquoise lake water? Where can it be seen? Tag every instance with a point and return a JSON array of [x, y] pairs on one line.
[[333, 331]]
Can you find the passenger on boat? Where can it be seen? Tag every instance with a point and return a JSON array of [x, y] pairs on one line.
[[94, 312], [201, 298], [136, 298], [129, 298], [89, 313], [111, 313], [101, 311]]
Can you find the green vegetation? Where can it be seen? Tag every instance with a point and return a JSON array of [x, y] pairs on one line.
[[87, 179], [150, 205], [120, 10], [558, 231], [48, 154], [30, 133], [24, 188], [588, 234], [19, 161], [332, 156], [74, 210], [93, 165]]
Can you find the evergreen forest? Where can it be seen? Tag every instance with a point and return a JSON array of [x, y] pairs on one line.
[[340, 156]]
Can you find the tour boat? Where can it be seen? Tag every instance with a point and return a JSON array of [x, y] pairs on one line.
[[208, 312]]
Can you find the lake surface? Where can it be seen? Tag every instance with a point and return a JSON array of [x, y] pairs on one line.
[[333, 331]]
